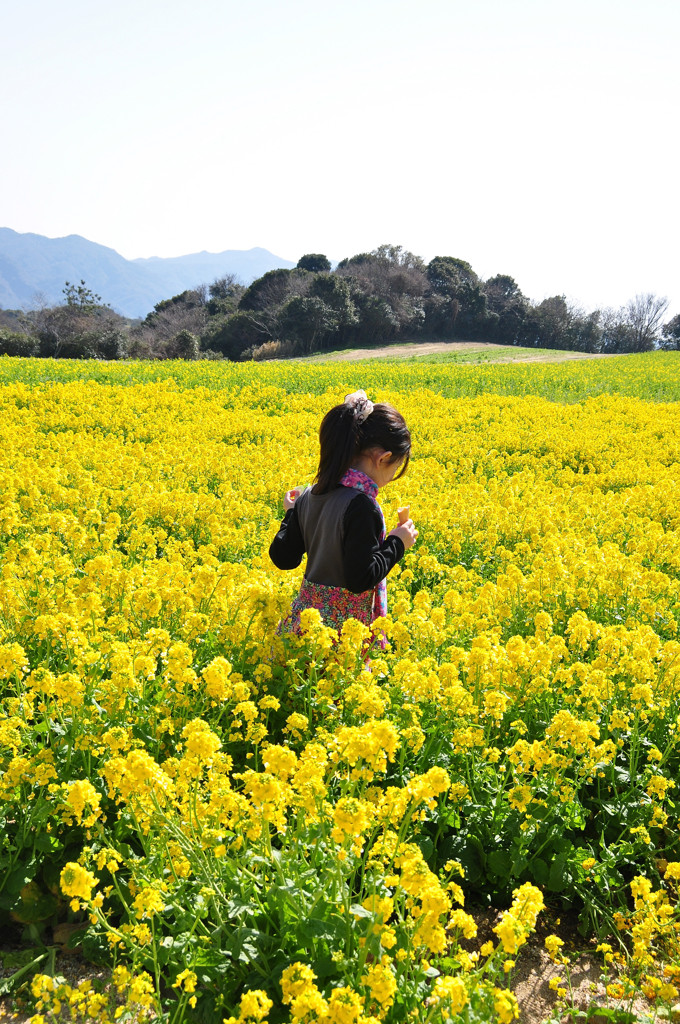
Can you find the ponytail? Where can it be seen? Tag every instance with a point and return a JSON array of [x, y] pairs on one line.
[[346, 431]]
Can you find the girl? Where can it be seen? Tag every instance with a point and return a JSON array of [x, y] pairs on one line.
[[339, 522]]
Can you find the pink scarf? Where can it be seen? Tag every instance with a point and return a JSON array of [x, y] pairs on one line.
[[361, 482]]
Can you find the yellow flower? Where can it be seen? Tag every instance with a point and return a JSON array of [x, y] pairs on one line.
[[451, 992], [554, 944], [381, 982], [201, 742], [187, 980], [147, 902], [77, 882], [351, 818], [254, 1006], [505, 1005], [79, 797], [344, 1006], [519, 797]]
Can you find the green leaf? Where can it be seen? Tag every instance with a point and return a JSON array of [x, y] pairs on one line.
[[33, 904], [358, 911], [240, 908], [556, 877], [469, 851], [499, 862], [16, 880], [540, 870], [328, 929], [46, 842], [426, 846]]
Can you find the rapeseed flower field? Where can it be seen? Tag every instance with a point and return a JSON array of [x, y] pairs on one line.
[[255, 828]]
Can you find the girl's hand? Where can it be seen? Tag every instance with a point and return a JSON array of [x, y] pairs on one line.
[[407, 533], [290, 497]]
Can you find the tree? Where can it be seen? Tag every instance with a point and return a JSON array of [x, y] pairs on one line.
[[644, 314], [233, 335], [190, 299], [549, 323], [224, 287], [455, 279], [588, 332], [272, 289], [441, 313], [397, 256], [393, 275], [307, 320], [670, 334], [225, 294], [82, 298], [185, 346], [13, 343], [186, 311], [377, 320], [314, 262], [448, 275], [336, 293], [617, 334], [508, 308], [81, 328]]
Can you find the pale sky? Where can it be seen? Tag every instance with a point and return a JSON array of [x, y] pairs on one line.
[[536, 138]]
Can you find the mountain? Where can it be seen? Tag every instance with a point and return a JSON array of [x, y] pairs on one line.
[[33, 264]]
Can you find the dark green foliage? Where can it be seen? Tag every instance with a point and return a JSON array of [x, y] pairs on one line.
[[68, 341], [225, 294], [14, 344], [314, 262], [233, 335], [272, 289], [670, 336], [192, 298], [186, 345], [79, 296], [336, 292], [377, 318], [507, 308], [308, 320], [441, 315], [455, 280], [388, 285], [549, 324], [615, 332], [450, 276]]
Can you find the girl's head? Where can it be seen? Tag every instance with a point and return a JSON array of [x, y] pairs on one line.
[[357, 429]]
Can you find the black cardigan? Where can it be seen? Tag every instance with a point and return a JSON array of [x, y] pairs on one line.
[[366, 560]]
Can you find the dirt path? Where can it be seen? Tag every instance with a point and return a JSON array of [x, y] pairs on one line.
[[503, 353]]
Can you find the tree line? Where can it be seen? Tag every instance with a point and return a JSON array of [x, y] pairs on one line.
[[385, 295]]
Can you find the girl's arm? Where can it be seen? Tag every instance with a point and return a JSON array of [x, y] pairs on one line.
[[366, 559], [288, 547]]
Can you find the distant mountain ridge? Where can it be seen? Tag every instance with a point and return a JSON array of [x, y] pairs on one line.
[[33, 264]]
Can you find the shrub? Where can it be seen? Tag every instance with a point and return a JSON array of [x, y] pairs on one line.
[[13, 344], [185, 345]]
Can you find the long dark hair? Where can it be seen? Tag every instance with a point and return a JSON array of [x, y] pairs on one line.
[[342, 438]]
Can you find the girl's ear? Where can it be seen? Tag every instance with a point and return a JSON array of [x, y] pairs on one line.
[[385, 457]]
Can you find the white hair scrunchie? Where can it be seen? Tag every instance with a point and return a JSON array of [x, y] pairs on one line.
[[361, 403]]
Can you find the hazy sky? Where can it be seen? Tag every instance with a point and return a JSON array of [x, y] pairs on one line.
[[537, 138]]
